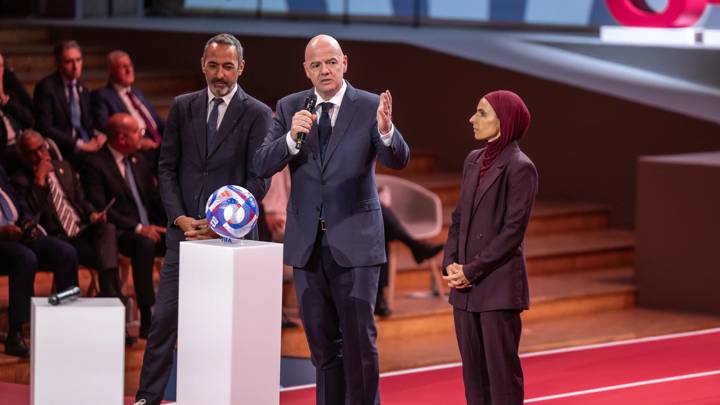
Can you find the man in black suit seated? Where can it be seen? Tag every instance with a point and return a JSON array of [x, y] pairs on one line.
[[24, 248], [62, 105], [15, 114], [120, 96], [118, 172], [55, 194]]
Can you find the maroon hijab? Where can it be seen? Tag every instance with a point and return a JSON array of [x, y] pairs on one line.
[[514, 121]]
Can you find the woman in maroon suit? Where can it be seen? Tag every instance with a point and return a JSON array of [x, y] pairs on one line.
[[484, 259]]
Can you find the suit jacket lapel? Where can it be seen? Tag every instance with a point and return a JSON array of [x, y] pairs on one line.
[[115, 172], [119, 104], [493, 173], [232, 116], [60, 86], [345, 116], [198, 117], [470, 184]]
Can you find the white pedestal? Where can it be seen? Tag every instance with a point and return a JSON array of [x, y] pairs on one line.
[[78, 352], [229, 309]]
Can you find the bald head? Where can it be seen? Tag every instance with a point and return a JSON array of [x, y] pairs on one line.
[[322, 42], [123, 133], [325, 65]]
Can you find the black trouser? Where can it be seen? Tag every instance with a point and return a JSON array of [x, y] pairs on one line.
[[142, 252], [157, 362], [489, 343], [394, 230], [97, 248], [336, 308], [20, 261]]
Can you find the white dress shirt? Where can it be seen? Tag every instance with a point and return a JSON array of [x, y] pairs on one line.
[[337, 101], [222, 107]]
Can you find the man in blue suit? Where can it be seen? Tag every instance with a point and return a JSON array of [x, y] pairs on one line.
[[62, 105], [120, 96], [210, 140], [334, 230]]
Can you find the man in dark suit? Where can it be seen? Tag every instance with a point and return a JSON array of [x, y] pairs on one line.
[[24, 248], [334, 230], [15, 114], [119, 95], [54, 192], [118, 172], [62, 105], [210, 139]]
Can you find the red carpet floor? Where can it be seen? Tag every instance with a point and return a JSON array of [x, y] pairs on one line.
[[667, 370], [677, 369]]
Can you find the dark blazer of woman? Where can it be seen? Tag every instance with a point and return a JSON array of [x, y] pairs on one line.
[[487, 231]]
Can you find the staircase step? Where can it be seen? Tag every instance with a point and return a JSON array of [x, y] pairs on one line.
[[547, 253], [151, 82], [39, 58], [23, 35], [552, 296], [579, 250]]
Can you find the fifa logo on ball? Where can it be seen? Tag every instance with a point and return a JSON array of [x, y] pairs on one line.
[[231, 211]]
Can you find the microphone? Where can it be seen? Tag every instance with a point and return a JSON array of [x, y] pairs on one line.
[[68, 295], [310, 101]]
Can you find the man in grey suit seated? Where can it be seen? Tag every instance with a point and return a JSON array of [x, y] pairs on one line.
[[334, 231]]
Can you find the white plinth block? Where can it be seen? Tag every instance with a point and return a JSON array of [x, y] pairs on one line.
[[229, 309], [78, 352]]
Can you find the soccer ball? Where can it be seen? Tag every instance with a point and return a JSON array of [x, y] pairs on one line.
[[231, 211]]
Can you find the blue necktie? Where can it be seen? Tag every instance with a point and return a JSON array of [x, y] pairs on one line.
[[75, 113], [130, 178], [212, 124], [324, 128]]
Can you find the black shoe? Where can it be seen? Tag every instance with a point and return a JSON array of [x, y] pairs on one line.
[[423, 251], [15, 345], [287, 322], [381, 307]]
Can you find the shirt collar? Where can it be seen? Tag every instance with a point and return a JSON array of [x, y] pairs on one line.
[[119, 157], [227, 98], [336, 99], [120, 89]]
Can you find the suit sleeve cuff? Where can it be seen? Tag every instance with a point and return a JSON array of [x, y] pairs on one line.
[[291, 145], [387, 138]]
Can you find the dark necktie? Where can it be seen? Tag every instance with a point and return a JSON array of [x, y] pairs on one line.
[[130, 179], [69, 219], [324, 128], [150, 124], [75, 113], [212, 123]]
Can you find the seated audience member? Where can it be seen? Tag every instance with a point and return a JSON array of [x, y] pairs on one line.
[[118, 172], [23, 249], [274, 208], [53, 190], [62, 105], [120, 96], [15, 114], [421, 251]]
